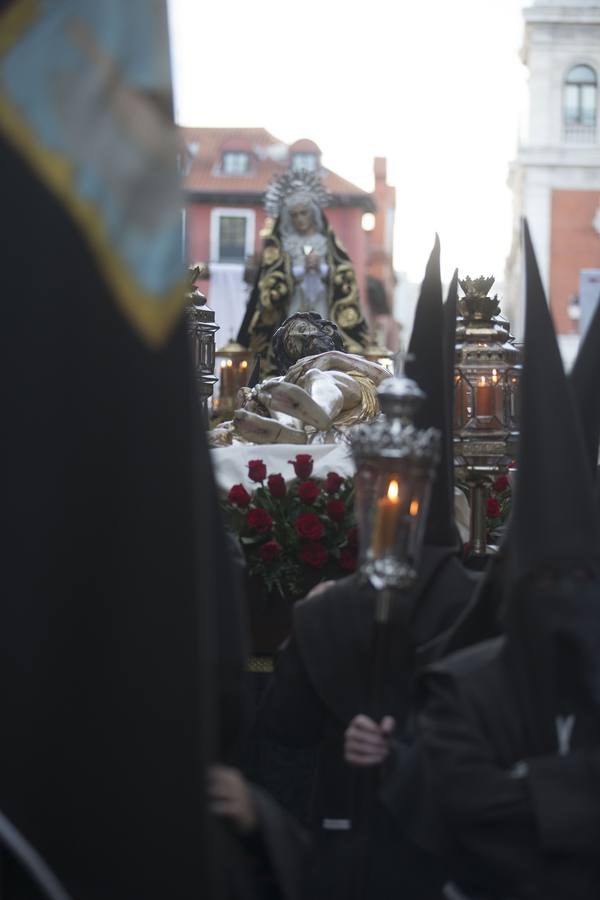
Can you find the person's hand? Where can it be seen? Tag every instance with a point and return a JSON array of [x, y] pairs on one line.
[[320, 588], [312, 261], [367, 743], [229, 797]]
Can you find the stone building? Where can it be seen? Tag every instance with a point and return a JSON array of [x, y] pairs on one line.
[[556, 175]]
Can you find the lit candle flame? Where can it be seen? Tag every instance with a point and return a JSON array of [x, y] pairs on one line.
[[393, 491], [243, 364], [482, 380], [494, 376], [229, 362], [413, 508]]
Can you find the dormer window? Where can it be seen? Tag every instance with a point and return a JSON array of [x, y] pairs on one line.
[[235, 162], [305, 161], [579, 105]]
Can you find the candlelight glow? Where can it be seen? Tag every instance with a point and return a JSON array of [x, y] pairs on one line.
[[243, 364], [494, 376], [229, 362], [393, 491], [413, 508], [482, 381]]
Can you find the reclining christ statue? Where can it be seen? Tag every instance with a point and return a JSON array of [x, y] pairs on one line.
[[319, 394]]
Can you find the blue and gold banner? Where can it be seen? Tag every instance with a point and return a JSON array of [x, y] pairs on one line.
[[85, 98]]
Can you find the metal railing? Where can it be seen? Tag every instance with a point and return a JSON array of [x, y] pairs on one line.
[[580, 134]]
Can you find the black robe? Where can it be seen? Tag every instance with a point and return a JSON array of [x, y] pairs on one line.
[[503, 836], [270, 864], [321, 682]]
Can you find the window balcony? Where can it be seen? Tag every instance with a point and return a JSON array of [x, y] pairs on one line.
[[579, 134]]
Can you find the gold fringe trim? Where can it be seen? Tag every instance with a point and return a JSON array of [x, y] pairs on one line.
[[263, 664]]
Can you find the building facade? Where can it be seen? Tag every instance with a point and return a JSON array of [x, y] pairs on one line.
[[556, 176], [226, 174]]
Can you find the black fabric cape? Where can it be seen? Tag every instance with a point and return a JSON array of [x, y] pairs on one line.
[[320, 682], [107, 575], [503, 836]]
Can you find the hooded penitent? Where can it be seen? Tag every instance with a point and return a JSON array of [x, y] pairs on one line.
[[429, 366], [443, 586], [553, 587], [482, 620], [585, 376]]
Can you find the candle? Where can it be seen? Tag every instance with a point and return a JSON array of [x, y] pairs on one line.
[[226, 389], [483, 398], [386, 521]]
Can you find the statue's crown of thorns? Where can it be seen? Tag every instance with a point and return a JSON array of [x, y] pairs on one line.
[[302, 182]]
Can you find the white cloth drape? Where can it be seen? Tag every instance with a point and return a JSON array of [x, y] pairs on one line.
[[228, 296]]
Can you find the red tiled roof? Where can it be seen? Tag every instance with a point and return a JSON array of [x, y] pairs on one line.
[[270, 157], [304, 145]]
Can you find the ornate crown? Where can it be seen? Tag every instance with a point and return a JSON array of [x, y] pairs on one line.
[[300, 182], [476, 305]]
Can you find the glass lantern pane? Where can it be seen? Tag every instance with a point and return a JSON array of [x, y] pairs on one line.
[[392, 504], [484, 398]]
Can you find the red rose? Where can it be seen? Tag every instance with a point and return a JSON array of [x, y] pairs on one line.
[[493, 508], [259, 520], [309, 526], [333, 482], [276, 484], [303, 465], [269, 551], [314, 555], [238, 495], [336, 509], [501, 484], [348, 559], [257, 470], [352, 538], [308, 491]]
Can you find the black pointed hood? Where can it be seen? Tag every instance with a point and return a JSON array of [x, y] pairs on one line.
[[554, 514], [429, 367], [585, 377]]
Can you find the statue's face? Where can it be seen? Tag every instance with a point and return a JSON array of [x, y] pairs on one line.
[[301, 218], [306, 338]]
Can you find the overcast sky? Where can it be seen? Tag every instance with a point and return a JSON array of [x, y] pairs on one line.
[[437, 87]]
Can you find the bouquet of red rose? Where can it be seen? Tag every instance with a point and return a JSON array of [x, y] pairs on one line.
[[498, 508], [298, 533]]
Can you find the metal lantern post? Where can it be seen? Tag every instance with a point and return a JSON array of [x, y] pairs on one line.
[[486, 399], [202, 329]]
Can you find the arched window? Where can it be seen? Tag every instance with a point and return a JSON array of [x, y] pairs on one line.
[[580, 100]]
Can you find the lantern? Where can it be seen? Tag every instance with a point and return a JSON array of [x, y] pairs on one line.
[[486, 398], [234, 370], [395, 464], [202, 329]]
